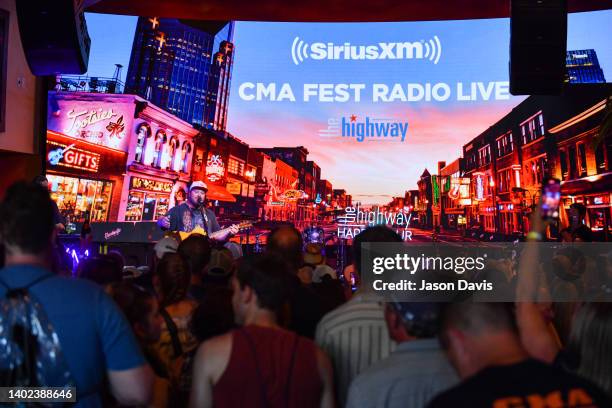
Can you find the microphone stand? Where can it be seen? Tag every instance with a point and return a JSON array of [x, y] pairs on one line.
[[202, 210]]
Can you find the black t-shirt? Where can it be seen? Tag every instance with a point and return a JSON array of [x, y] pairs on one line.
[[186, 219], [528, 384]]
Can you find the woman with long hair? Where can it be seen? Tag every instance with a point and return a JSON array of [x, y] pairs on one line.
[[171, 282]]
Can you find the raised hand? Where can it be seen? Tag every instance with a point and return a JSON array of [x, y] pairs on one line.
[[164, 222]]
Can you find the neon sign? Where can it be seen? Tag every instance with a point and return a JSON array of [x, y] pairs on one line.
[[70, 156], [460, 188], [84, 118], [215, 168], [293, 195], [99, 120], [479, 181], [139, 183], [357, 219]]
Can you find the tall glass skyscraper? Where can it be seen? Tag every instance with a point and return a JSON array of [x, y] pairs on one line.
[[183, 67], [583, 67]]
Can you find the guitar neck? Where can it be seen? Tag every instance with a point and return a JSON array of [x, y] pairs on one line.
[[241, 227]]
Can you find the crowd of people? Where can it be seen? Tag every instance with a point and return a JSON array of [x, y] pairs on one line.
[[208, 326]]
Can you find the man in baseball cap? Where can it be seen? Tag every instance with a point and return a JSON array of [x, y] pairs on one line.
[[198, 184], [193, 214]]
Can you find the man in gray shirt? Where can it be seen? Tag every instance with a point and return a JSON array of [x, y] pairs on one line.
[[415, 372]]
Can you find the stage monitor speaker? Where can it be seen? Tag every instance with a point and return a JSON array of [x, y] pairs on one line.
[[538, 42], [54, 36]]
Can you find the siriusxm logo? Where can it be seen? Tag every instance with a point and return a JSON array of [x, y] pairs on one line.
[[372, 129], [430, 49]]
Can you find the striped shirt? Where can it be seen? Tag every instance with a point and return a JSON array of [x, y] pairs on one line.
[[354, 336], [410, 377]]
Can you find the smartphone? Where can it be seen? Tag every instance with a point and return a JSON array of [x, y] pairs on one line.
[[551, 197]]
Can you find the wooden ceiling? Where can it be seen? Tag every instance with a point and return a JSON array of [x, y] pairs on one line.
[[322, 10]]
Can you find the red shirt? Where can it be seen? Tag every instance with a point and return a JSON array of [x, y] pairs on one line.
[[269, 368]]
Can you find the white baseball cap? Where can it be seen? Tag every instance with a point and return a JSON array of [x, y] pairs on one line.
[[198, 184], [164, 246], [322, 270]]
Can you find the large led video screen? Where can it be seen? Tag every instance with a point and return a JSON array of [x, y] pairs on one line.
[[375, 104]]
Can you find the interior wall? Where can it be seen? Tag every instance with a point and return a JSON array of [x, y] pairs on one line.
[[19, 146], [17, 166]]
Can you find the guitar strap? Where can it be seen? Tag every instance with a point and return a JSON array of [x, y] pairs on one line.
[[205, 218]]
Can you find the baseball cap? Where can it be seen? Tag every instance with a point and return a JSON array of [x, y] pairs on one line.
[[198, 184], [320, 271], [164, 246], [235, 249], [313, 254], [221, 262]]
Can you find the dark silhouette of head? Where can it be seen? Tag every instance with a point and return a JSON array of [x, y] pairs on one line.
[[195, 251], [377, 233], [26, 219], [286, 242], [173, 279], [265, 275]]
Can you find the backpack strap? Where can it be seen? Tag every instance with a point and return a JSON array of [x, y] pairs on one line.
[[10, 291], [176, 342]]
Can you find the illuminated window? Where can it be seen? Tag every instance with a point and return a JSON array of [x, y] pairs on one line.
[[573, 172], [504, 145], [535, 170], [504, 180], [160, 142], [563, 162], [143, 132], [582, 165], [532, 128], [172, 161], [184, 155], [235, 166], [484, 155], [600, 159]]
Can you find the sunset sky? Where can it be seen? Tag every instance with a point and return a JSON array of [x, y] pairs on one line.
[[373, 171]]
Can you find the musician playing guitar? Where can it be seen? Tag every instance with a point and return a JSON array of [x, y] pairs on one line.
[[193, 214]]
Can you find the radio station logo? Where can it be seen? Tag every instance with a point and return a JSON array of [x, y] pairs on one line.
[[371, 129], [424, 49]]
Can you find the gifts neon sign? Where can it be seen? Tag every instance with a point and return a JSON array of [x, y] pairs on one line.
[[73, 157]]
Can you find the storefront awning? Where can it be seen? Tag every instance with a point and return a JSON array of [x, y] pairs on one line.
[[588, 185], [219, 193]]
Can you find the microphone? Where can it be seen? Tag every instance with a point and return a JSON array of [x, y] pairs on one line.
[[200, 202]]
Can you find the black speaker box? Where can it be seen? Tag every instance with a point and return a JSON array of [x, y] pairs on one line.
[[54, 36], [538, 42]]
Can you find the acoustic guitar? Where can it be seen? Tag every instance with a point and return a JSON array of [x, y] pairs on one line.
[[199, 230]]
